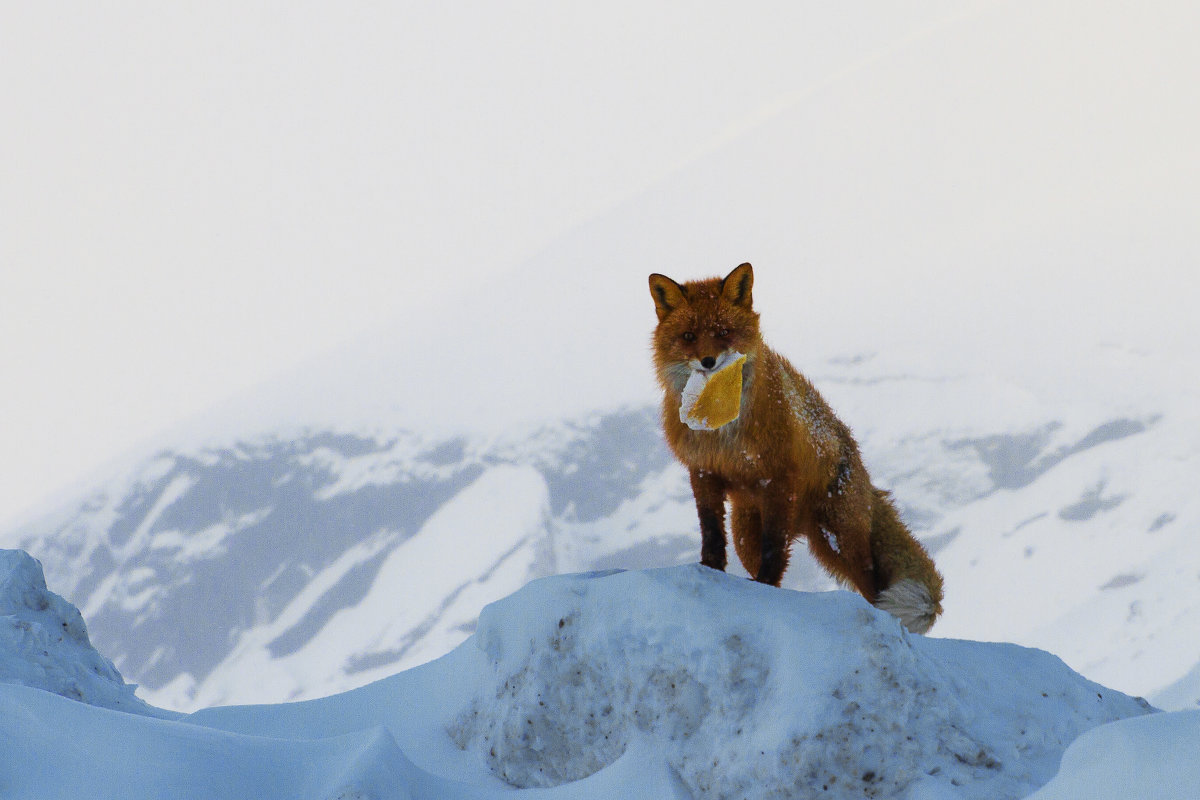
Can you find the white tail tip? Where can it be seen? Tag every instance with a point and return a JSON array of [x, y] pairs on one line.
[[910, 602]]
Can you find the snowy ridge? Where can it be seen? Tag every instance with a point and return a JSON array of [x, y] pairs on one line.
[[674, 683]]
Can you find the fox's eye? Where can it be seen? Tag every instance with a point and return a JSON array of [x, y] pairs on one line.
[[688, 336], [723, 333]]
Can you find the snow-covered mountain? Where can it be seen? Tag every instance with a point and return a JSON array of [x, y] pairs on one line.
[[292, 568], [988, 271], [207, 566]]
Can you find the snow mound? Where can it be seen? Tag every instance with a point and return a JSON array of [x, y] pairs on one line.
[[750, 691], [1146, 757], [44, 642], [673, 683]]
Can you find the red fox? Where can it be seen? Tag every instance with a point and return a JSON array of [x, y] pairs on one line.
[[786, 464]]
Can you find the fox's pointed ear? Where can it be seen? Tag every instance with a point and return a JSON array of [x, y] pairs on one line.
[[735, 289], [668, 295]]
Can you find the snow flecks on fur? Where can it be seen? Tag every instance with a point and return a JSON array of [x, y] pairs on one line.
[[831, 539], [811, 417]]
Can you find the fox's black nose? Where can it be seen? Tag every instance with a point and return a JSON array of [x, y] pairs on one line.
[[707, 362]]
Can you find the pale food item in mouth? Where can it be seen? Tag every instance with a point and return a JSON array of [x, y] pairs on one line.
[[712, 398]]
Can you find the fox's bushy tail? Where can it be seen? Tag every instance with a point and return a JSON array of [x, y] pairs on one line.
[[910, 585]]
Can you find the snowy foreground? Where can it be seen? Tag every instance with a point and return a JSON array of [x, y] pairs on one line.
[[679, 682]]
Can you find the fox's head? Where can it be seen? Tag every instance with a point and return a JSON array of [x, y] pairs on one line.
[[700, 320]]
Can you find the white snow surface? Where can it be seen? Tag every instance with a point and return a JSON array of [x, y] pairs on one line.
[[1146, 757], [672, 683]]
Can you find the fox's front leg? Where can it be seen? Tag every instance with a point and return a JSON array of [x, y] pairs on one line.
[[709, 491]]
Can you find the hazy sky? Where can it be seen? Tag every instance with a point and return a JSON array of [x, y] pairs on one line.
[[195, 196]]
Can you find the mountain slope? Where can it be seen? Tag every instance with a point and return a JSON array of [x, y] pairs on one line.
[[356, 556], [258, 551]]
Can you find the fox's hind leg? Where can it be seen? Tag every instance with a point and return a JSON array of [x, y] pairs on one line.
[[844, 551], [839, 535]]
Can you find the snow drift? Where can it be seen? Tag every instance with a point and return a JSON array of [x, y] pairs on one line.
[[44, 642], [662, 683], [753, 692]]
